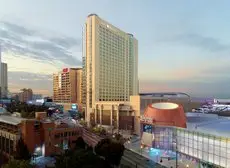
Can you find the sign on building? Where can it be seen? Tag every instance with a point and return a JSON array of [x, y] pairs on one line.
[[148, 120]]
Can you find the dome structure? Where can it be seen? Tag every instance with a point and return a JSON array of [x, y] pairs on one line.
[[166, 114]]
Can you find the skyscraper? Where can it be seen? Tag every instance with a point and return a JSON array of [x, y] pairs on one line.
[[3, 78], [67, 86], [0, 71], [110, 64]]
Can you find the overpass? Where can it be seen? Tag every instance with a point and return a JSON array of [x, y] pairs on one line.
[[130, 158], [90, 138], [162, 94]]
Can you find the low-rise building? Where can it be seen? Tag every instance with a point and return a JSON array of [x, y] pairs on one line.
[[42, 135], [25, 95]]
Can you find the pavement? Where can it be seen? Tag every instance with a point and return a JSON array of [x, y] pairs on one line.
[[135, 160], [41, 161]]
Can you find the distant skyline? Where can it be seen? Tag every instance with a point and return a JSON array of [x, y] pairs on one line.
[[183, 45]]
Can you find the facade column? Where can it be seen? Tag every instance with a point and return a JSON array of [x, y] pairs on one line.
[[95, 115], [9, 144], [101, 115], [5, 143], [117, 117], [111, 116]]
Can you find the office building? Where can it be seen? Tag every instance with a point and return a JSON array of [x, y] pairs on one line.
[[25, 95], [0, 70], [110, 67], [67, 86], [79, 86], [4, 80]]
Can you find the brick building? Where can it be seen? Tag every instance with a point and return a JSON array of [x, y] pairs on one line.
[[42, 136]]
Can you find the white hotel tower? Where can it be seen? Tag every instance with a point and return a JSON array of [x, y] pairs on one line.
[[110, 67]]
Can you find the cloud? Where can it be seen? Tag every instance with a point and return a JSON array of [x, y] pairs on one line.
[[217, 89], [37, 45], [210, 44], [207, 43], [33, 55], [39, 83]]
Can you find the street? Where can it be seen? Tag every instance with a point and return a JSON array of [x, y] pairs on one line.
[[135, 160]]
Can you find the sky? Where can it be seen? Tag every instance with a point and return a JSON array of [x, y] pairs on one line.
[[184, 45]]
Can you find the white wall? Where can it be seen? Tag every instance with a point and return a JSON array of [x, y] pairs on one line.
[[206, 148]]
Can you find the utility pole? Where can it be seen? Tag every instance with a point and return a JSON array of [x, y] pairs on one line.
[[176, 151]]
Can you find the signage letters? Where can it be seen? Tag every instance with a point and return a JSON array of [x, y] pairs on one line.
[[146, 119]]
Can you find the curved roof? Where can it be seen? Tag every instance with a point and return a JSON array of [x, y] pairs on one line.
[[209, 124], [167, 114]]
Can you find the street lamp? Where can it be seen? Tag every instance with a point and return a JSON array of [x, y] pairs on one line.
[[129, 143], [141, 149]]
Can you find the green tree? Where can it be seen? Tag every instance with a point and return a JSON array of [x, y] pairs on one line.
[[22, 151], [18, 164], [111, 150], [80, 158], [24, 114], [80, 143], [31, 115]]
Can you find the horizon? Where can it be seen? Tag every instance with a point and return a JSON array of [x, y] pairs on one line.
[[183, 46]]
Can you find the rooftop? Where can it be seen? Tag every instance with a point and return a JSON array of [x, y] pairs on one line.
[[209, 124], [61, 120], [11, 119], [164, 106], [92, 14]]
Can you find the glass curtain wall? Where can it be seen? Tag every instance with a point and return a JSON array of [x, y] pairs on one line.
[[207, 148]]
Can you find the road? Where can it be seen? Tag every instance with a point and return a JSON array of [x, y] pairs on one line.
[[135, 160]]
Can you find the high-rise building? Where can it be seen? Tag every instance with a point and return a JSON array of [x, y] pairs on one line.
[[4, 80], [0, 69], [25, 95], [110, 64], [67, 86], [79, 86]]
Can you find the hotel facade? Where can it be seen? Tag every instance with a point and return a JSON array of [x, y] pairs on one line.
[[67, 86], [110, 69]]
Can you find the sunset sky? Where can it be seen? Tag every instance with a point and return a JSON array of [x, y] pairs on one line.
[[184, 45]]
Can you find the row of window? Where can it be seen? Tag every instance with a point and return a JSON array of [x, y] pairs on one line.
[[66, 134], [6, 145]]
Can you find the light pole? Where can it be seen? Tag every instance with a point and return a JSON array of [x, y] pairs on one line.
[[129, 143], [141, 149], [176, 152]]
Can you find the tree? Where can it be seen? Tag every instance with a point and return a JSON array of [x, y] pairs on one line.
[[24, 114], [22, 151], [112, 151], [3, 159], [18, 164], [80, 143], [80, 158]]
